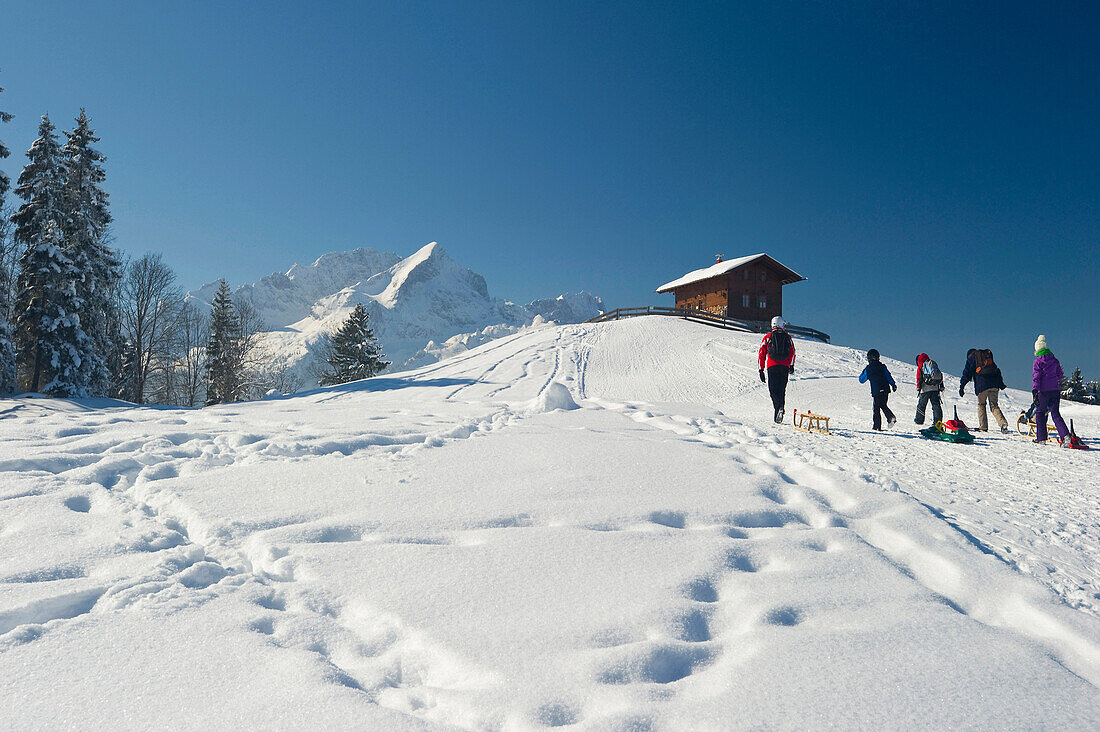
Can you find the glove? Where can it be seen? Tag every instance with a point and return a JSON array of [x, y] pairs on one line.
[[762, 379], [895, 387], [790, 369], [1035, 395], [962, 391]]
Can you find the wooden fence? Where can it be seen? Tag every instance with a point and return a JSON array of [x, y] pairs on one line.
[[701, 316]]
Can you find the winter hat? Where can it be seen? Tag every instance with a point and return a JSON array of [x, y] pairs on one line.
[[1040, 343], [872, 355], [778, 322]]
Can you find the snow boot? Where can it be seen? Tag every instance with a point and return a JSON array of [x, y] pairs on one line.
[[891, 422], [1004, 429], [779, 416]]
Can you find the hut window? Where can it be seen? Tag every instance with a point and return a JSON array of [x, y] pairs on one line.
[[745, 300], [762, 302], [763, 276], [745, 274]]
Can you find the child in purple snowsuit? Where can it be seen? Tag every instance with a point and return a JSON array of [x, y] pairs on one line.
[[1046, 384]]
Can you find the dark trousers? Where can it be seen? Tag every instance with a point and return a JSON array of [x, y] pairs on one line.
[[880, 406], [1048, 402], [937, 407], [777, 385]]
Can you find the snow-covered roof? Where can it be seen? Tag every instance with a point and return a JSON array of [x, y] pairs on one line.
[[725, 266]]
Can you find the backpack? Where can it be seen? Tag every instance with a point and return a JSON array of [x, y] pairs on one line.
[[983, 361], [931, 375], [779, 345]]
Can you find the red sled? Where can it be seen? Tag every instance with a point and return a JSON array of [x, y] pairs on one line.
[[956, 425], [1075, 442]]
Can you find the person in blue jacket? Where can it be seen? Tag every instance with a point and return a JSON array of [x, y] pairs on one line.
[[882, 383]]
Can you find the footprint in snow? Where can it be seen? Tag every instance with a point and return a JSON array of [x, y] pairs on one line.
[[671, 519], [784, 616], [80, 504]]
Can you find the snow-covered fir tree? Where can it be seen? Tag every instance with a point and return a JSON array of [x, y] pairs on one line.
[[44, 270], [85, 226], [64, 344], [7, 345], [223, 368], [352, 352], [8, 384], [1073, 389]]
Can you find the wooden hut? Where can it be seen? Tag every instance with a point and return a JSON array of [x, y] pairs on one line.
[[746, 288]]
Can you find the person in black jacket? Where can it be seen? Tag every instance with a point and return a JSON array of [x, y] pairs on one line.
[[881, 385], [988, 382]]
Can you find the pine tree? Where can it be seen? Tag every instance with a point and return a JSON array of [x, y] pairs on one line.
[[1094, 392], [63, 344], [8, 384], [98, 267], [352, 352], [43, 266], [1074, 388], [223, 368], [7, 346]]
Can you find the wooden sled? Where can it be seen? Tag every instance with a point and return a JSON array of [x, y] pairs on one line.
[[810, 422], [1026, 427]]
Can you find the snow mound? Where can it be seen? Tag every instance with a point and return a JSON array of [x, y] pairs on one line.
[[555, 396]]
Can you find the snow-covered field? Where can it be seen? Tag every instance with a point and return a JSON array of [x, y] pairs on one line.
[[449, 547]]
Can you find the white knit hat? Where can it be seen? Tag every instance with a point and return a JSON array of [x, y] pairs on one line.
[[1040, 343]]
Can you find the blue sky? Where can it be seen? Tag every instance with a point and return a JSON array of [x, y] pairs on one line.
[[933, 168]]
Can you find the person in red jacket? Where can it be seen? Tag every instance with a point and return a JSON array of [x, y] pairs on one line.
[[777, 358]]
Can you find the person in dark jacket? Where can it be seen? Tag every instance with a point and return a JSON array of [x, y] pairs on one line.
[[881, 385], [988, 383], [1046, 385], [929, 386], [779, 367]]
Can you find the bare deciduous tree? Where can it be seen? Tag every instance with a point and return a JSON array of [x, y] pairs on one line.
[[9, 261], [149, 303], [192, 332]]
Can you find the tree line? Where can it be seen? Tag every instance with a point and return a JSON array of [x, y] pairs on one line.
[[1076, 389], [78, 319]]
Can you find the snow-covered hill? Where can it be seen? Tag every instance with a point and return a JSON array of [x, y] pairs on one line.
[[414, 304], [458, 547]]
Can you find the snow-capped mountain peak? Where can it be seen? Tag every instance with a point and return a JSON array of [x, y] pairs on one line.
[[414, 303], [429, 264], [285, 298]]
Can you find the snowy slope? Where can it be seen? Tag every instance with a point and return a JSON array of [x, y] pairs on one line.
[[446, 548], [414, 304]]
